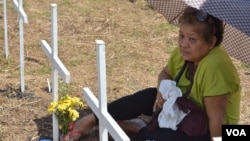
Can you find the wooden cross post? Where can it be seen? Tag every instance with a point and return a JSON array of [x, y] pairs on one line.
[[106, 122], [22, 19], [5, 30], [57, 65]]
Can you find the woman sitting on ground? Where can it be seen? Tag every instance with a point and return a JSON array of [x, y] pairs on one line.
[[215, 88]]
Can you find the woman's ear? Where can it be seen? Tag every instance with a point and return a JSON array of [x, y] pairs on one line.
[[213, 41]]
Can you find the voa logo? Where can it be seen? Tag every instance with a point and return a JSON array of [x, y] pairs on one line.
[[236, 132]]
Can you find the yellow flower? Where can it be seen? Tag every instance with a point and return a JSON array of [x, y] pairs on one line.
[[61, 108], [52, 107], [60, 126], [66, 102], [75, 100], [73, 114], [65, 110]]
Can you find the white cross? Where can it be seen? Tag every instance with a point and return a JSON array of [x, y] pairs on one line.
[[57, 65], [106, 122], [5, 30], [22, 19]]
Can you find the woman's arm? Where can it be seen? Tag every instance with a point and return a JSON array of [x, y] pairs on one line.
[[164, 74], [216, 109]]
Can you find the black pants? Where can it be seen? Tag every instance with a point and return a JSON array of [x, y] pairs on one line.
[[142, 102]]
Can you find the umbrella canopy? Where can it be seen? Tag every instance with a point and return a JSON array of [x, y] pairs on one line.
[[234, 13]]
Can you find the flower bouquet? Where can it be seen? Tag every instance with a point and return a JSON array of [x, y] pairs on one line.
[[65, 110]]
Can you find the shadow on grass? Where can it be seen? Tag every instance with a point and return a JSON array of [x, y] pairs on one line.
[[44, 127]]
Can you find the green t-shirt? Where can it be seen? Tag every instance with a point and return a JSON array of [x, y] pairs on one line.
[[215, 75]]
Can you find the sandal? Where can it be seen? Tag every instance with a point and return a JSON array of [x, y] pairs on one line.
[[72, 133]]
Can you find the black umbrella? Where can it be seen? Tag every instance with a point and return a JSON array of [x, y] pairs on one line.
[[234, 13]]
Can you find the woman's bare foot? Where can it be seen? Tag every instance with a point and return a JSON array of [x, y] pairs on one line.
[[81, 127], [84, 125]]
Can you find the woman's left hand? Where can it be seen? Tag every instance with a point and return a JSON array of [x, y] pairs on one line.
[[216, 108], [159, 102]]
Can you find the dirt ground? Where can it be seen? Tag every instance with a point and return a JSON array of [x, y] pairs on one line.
[[138, 41]]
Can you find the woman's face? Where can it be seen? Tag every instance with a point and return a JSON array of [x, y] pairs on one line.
[[192, 45]]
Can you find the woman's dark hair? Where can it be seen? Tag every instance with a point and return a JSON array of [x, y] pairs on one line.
[[212, 25]]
